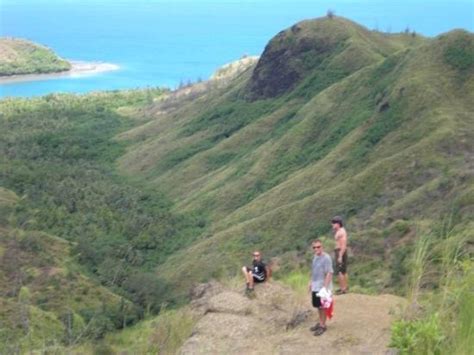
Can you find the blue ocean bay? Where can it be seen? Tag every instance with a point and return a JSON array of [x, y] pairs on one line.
[[163, 42]]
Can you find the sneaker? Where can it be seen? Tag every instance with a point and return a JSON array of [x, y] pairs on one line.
[[340, 292], [319, 331], [251, 294], [315, 327]]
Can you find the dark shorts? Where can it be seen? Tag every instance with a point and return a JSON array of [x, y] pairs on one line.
[[256, 278], [316, 300], [341, 267]]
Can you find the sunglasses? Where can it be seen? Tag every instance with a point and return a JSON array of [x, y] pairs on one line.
[[317, 247], [256, 254]]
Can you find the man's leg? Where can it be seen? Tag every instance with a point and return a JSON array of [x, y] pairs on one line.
[[341, 269], [322, 317], [322, 322], [316, 301], [345, 284], [251, 280], [248, 276], [342, 286]]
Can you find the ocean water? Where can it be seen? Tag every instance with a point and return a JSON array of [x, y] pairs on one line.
[[165, 42]]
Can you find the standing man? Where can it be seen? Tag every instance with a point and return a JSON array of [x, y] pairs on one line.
[[258, 272], [340, 235], [321, 276]]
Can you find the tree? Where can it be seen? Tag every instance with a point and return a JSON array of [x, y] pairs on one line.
[[147, 290]]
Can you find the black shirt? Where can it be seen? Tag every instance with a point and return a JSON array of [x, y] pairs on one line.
[[258, 268]]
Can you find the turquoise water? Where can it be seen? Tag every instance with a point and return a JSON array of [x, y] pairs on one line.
[[163, 42]]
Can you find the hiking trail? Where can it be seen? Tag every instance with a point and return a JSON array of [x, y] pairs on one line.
[[277, 321]]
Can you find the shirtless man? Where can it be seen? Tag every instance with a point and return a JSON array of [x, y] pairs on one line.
[[340, 236]]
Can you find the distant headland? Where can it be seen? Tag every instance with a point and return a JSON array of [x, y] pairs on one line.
[[22, 60]]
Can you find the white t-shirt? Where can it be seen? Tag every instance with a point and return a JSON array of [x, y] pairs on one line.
[[322, 264]]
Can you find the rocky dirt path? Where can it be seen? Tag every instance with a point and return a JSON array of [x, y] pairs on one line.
[[277, 321]]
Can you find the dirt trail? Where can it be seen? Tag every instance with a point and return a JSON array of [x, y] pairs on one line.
[[277, 322]]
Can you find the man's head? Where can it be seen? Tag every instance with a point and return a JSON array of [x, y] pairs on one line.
[[336, 223], [257, 255], [317, 247]]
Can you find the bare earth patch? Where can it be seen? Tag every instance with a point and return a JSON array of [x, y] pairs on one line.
[[277, 321]]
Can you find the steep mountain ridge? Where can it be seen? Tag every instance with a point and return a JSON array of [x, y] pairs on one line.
[[378, 146]]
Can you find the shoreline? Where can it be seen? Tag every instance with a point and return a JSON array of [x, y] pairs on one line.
[[78, 69]]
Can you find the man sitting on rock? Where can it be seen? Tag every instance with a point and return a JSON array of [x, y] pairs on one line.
[[258, 272]]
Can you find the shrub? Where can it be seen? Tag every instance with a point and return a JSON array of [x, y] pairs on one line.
[[422, 336], [440, 315], [459, 53]]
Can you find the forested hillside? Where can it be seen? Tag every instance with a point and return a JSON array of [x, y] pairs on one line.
[[44, 296], [115, 204], [72, 218]]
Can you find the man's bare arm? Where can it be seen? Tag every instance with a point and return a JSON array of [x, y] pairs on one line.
[[327, 279]]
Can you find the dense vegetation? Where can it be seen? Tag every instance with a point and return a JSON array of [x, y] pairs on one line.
[[152, 192], [58, 155], [23, 57]]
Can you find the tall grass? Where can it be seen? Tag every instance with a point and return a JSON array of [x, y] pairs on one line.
[[298, 281], [419, 269], [439, 318], [171, 331]]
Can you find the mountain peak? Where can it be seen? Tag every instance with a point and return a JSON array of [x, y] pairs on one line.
[[294, 53], [313, 49]]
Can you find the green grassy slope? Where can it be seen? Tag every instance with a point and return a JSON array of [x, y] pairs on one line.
[[18, 56], [386, 144], [45, 298]]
